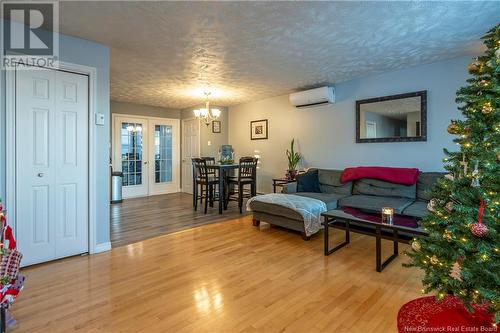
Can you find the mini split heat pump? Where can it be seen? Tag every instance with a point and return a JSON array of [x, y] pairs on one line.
[[313, 97]]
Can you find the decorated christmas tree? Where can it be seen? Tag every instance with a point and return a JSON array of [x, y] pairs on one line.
[[461, 255]]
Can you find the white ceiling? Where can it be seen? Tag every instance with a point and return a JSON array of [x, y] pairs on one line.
[[167, 53]]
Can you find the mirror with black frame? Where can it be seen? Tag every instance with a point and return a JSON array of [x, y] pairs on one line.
[[396, 118]]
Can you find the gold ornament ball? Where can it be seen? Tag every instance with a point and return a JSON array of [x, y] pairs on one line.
[[474, 66], [453, 128], [415, 245], [434, 260], [487, 108]]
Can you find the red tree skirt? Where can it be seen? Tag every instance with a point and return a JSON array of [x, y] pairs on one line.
[[449, 315]]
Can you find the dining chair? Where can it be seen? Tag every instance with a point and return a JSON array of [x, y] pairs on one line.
[[206, 181], [247, 175]]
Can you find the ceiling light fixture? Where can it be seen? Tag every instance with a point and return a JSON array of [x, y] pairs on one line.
[[207, 114]]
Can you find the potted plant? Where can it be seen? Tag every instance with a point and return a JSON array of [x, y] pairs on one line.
[[293, 160]]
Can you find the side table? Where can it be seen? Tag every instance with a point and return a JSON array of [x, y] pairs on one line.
[[279, 182]]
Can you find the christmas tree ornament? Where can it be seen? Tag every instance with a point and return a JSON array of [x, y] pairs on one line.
[[487, 108], [415, 245], [489, 63], [449, 206], [475, 176], [448, 235], [479, 229], [474, 67], [434, 260], [497, 53], [498, 155], [449, 176], [453, 128], [431, 206], [464, 165], [456, 271]]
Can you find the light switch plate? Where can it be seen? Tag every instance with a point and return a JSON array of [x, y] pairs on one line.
[[99, 119]]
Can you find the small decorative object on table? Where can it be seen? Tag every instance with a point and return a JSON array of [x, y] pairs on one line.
[[293, 160], [226, 154], [387, 215]]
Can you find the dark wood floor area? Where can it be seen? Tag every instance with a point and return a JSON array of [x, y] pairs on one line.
[[138, 219]]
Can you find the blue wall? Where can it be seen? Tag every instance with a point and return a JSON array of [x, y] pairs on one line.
[[87, 53], [326, 135]]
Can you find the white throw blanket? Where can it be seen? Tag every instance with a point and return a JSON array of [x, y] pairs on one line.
[[310, 209]]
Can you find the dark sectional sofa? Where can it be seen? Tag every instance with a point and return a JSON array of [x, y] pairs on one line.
[[364, 194]]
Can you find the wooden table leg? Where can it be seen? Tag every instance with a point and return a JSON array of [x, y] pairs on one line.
[[326, 236], [381, 265], [221, 190], [378, 250], [327, 249]]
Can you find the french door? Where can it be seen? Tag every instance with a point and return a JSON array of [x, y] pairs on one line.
[[146, 150], [51, 152]]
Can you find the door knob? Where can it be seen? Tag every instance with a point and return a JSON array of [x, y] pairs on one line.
[[145, 162], [40, 174]]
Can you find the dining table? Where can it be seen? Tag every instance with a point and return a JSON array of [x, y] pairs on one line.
[[223, 170]]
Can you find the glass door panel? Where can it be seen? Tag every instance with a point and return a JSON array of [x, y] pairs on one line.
[[163, 153], [131, 153]]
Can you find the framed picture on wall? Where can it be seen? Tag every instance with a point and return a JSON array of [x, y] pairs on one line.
[[216, 126], [258, 129]]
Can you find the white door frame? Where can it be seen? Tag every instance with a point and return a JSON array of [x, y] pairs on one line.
[[10, 153], [176, 155], [183, 143]]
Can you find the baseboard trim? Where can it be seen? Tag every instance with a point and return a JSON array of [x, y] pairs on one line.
[[103, 247]]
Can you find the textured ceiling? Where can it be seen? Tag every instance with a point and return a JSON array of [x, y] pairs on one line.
[[168, 53]]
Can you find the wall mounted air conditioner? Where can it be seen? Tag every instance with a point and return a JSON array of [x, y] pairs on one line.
[[313, 97]]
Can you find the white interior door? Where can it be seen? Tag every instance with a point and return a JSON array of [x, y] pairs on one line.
[[130, 145], [51, 164], [190, 149], [164, 156]]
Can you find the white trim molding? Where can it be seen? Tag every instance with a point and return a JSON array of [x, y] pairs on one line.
[[102, 247]]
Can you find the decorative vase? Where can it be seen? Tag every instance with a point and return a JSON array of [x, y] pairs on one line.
[[290, 174]]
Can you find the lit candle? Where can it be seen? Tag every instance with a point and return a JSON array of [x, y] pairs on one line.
[[387, 214]]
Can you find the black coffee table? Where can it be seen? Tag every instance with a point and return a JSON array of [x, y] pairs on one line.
[[358, 223]]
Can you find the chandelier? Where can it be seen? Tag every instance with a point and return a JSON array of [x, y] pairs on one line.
[[207, 114]]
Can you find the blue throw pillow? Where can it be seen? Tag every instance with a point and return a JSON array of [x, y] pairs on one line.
[[308, 182]]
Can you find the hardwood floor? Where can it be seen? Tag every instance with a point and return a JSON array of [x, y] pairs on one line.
[[138, 219], [223, 277]]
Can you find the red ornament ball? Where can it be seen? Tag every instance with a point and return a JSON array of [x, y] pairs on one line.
[[479, 229]]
